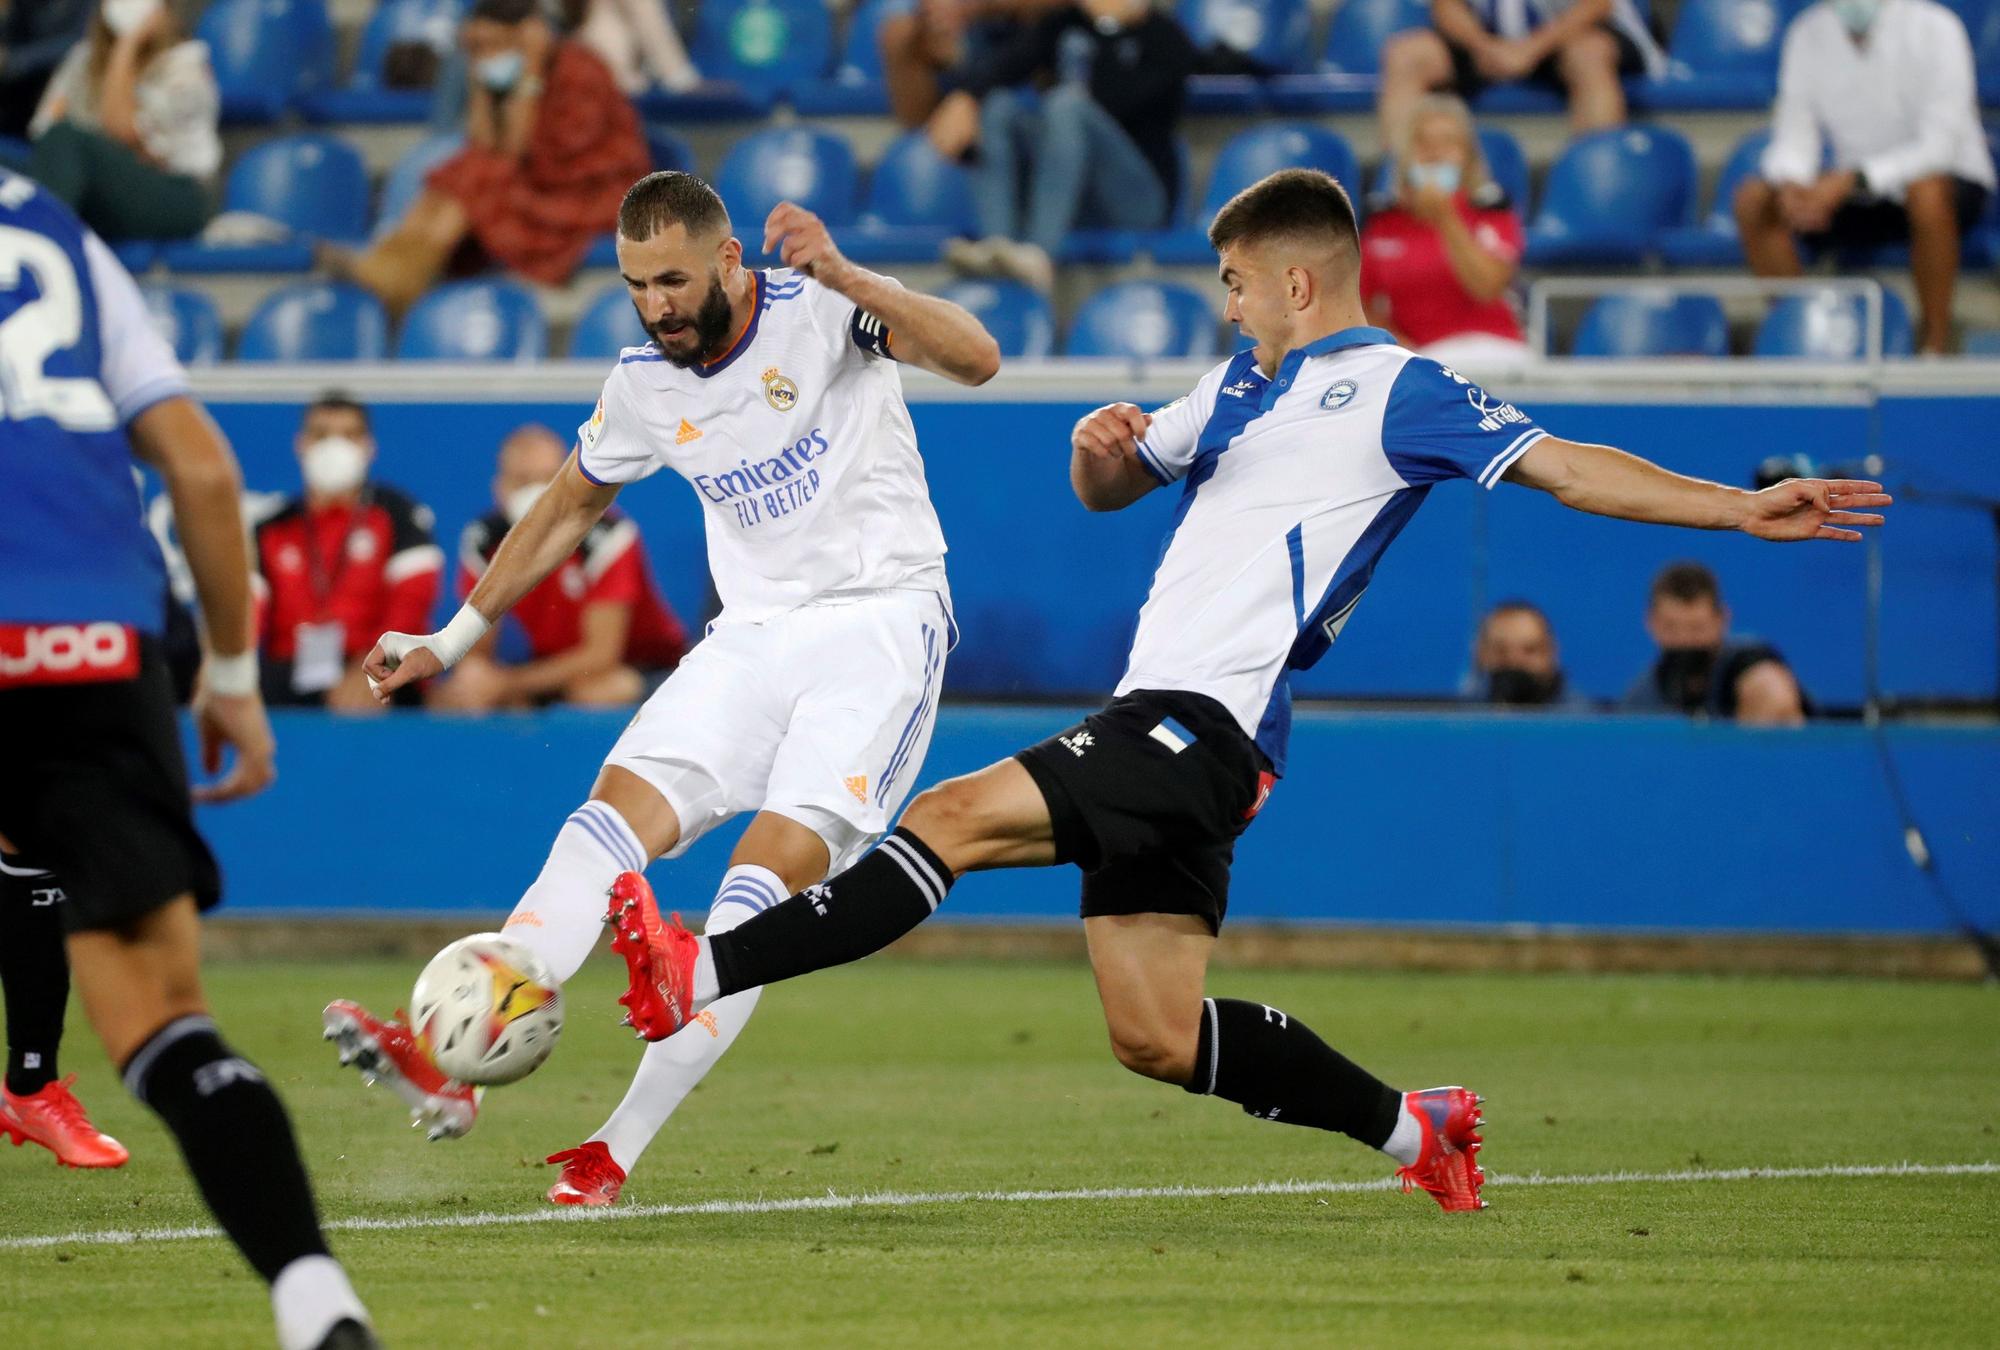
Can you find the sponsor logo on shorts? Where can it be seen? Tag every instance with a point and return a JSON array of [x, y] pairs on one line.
[[857, 786], [67, 653], [1078, 743]]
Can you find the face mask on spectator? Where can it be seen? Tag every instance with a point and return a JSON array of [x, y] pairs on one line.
[[500, 71], [1858, 15], [521, 499], [1522, 687], [1683, 674], [1443, 176], [128, 16], [333, 465]]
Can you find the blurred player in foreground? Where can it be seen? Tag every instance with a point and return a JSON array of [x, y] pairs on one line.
[[1300, 461], [810, 702], [95, 787]]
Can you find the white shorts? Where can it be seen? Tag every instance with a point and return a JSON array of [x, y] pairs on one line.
[[822, 715]]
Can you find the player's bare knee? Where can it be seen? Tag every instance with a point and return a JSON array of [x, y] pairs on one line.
[[1755, 204], [951, 818]]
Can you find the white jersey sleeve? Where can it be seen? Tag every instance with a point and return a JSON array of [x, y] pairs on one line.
[[1175, 433], [839, 320], [613, 446], [135, 365]]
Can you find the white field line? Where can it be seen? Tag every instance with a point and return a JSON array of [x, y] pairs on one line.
[[912, 1199]]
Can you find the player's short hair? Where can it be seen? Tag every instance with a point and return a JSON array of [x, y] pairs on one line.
[[1517, 606], [1301, 204], [504, 11], [339, 400], [662, 200], [1686, 582]]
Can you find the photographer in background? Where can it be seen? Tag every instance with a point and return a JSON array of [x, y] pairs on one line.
[[1516, 663], [1701, 669]]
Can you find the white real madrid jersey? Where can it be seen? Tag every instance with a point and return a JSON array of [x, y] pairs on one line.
[[798, 443], [1292, 487]]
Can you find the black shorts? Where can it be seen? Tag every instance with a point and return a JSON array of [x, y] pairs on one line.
[[1866, 222], [1147, 797], [94, 788], [1468, 83]]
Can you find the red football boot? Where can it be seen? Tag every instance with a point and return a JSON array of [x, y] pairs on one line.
[[1448, 1167], [55, 1119], [387, 1052], [659, 960], [589, 1176]]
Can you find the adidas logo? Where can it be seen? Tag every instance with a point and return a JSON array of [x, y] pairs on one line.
[[858, 786], [688, 432]]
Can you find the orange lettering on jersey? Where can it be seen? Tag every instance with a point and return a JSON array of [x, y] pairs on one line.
[[688, 432], [858, 785]]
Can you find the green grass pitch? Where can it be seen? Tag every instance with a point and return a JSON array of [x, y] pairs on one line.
[[924, 1078]]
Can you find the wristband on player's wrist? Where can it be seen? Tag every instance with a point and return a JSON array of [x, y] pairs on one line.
[[451, 642], [230, 676]]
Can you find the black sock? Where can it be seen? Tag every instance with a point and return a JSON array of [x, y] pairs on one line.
[[1275, 1067], [859, 912], [236, 1139], [34, 972]]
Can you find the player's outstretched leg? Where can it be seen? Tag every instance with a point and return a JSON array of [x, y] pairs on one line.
[[37, 1107], [141, 988], [1150, 971], [560, 917]]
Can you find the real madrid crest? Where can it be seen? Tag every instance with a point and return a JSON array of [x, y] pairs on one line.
[[780, 392]]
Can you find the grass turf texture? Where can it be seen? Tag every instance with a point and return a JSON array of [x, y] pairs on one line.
[[949, 1077]]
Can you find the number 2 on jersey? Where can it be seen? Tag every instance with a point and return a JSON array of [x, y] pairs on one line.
[[38, 329]]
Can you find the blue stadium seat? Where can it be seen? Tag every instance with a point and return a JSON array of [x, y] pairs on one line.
[[855, 88], [365, 98], [1145, 321], [916, 201], [313, 183], [1723, 54], [669, 151], [1611, 194], [475, 321], [1251, 155], [764, 46], [1830, 326], [811, 168], [1019, 319], [188, 321], [1346, 78], [406, 180], [1276, 34], [1505, 162], [267, 54], [607, 326], [318, 321], [1714, 242], [1653, 323]]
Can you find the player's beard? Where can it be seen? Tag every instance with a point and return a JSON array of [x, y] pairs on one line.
[[710, 326]]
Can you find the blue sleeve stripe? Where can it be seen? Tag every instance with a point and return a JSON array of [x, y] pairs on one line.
[[1295, 544], [1153, 466], [1497, 468]]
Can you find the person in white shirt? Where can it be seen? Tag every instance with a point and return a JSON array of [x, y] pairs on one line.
[[810, 702], [1298, 462], [1875, 139]]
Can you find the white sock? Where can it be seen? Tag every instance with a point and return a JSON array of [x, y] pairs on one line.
[[308, 1297], [669, 1069], [707, 984], [1406, 1141], [561, 915]]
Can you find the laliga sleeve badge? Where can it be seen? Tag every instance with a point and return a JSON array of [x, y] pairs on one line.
[[780, 392], [589, 431]]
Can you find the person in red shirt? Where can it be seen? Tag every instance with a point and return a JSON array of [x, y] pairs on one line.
[[1436, 265], [346, 561], [598, 632]]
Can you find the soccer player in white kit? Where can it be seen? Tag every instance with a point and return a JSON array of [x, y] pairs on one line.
[[810, 701]]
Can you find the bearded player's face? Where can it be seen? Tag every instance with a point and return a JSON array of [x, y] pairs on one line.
[[677, 286]]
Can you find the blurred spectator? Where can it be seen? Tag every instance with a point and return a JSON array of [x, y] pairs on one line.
[[1436, 265], [637, 41], [1096, 149], [598, 632], [1701, 668], [1887, 86], [932, 47], [1579, 46], [1516, 661], [339, 566], [551, 147], [34, 36], [127, 128]]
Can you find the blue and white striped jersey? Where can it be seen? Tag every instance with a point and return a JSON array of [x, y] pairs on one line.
[[1292, 487]]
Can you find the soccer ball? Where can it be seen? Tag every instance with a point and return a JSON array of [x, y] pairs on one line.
[[486, 1010]]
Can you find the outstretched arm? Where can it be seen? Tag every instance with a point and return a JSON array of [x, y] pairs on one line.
[[922, 330], [1608, 482], [1104, 464]]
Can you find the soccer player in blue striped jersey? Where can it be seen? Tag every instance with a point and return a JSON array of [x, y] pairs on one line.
[[1296, 462]]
